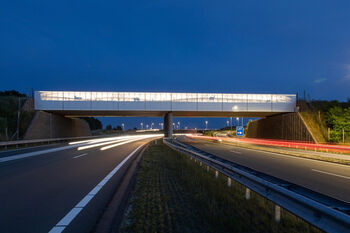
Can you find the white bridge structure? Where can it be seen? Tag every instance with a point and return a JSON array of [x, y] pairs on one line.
[[162, 104]]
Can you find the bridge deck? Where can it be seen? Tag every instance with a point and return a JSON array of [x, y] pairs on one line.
[[158, 104]]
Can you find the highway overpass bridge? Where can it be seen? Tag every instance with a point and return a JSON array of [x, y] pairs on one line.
[[162, 104]]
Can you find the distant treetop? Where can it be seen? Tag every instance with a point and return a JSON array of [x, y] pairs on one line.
[[11, 93]]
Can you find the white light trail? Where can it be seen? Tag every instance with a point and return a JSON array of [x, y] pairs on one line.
[[116, 140], [98, 140], [131, 140], [98, 144]]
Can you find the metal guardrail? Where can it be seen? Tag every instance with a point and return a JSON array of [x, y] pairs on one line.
[[42, 141], [326, 213]]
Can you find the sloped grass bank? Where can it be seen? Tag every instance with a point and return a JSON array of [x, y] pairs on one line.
[[175, 194]]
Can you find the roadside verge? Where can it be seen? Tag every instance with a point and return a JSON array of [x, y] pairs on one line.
[[174, 193]]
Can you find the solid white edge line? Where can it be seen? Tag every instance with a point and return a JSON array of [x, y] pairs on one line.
[[332, 174], [68, 218], [57, 230]]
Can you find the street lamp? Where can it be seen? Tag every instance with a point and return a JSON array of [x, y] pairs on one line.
[[206, 125]]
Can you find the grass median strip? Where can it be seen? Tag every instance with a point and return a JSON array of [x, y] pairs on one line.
[[176, 194]]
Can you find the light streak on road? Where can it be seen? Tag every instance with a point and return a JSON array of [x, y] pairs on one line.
[[280, 143], [131, 140], [117, 140]]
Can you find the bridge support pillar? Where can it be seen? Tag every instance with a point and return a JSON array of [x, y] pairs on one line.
[[168, 125]]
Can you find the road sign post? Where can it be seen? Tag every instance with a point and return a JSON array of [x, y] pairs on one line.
[[239, 131]]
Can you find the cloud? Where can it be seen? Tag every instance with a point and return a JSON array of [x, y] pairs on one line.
[[320, 80]]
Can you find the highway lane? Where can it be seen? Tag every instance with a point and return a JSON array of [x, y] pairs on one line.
[[6, 153], [328, 178], [37, 192]]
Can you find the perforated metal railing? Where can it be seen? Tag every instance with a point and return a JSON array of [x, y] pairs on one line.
[[149, 101]]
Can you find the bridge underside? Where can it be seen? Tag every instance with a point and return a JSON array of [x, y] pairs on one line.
[[103, 113]]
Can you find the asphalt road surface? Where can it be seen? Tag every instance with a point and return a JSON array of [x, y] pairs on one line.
[[327, 178], [62, 189]]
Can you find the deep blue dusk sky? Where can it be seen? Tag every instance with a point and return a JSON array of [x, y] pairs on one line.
[[198, 46]]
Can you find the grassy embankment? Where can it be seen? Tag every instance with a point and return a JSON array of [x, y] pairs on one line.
[[317, 126], [327, 120], [175, 194]]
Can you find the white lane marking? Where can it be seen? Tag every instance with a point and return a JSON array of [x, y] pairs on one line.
[[295, 157], [35, 153], [236, 152], [57, 230], [68, 218], [78, 156], [332, 174]]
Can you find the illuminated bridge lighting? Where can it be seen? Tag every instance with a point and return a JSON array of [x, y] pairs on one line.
[[156, 103]]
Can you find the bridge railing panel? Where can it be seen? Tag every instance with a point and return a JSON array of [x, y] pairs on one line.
[[158, 106], [143, 101], [283, 103], [234, 107], [76, 105], [128, 105], [184, 106]]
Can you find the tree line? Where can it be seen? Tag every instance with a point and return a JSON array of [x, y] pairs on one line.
[[11, 102], [337, 118]]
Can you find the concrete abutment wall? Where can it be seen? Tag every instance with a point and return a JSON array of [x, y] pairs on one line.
[[47, 125], [289, 126]]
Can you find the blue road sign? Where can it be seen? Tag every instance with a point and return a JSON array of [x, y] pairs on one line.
[[239, 131]]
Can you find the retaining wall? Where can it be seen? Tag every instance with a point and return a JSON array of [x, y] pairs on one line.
[[288, 126], [47, 125]]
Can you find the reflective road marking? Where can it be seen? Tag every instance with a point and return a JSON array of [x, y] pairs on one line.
[[78, 156], [66, 220], [332, 174]]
